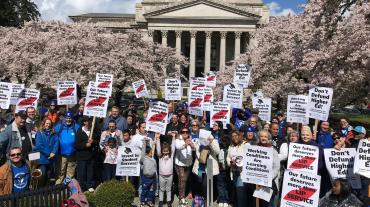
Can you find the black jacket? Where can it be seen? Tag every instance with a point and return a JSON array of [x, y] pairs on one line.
[[82, 151]]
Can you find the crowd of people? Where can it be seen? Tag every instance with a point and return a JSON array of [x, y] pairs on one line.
[[171, 164]]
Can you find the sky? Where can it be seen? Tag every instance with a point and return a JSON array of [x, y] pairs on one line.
[[61, 9]]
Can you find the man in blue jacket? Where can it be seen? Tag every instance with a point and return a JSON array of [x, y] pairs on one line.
[[323, 137], [66, 132]]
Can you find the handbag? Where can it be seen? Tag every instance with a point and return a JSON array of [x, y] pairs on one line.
[[203, 156]]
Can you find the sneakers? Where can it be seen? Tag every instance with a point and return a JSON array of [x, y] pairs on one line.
[[223, 205]]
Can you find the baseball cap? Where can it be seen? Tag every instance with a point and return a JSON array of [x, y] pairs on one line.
[[360, 129], [68, 114], [251, 129], [21, 113]]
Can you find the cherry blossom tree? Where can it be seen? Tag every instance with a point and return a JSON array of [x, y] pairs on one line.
[[327, 45]]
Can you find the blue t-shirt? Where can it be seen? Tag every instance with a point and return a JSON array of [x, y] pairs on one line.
[[21, 178]]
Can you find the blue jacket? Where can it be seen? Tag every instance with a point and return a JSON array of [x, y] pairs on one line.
[[67, 137], [46, 142], [120, 122], [282, 125], [324, 139]]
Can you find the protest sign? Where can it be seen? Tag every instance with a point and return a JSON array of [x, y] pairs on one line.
[[233, 94], [173, 91], [207, 98], [27, 98], [211, 79], [5, 94], [264, 107], [297, 109], [128, 161], [303, 157], [156, 120], [197, 82], [67, 92], [220, 111], [257, 165], [257, 94], [362, 159], [319, 102], [140, 88], [104, 81], [242, 74], [96, 102], [264, 193], [203, 137], [300, 189], [340, 165], [17, 88], [195, 101]]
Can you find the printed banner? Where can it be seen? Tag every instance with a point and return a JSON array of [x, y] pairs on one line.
[[303, 157], [220, 111], [257, 165], [258, 94], [96, 102], [211, 79], [16, 91], [156, 120], [27, 98], [66, 92], [140, 88], [128, 161], [297, 109], [195, 101], [207, 98], [173, 90], [340, 165], [300, 189], [197, 82], [362, 159], [264, 107], [319, 102], [233, 94], [104, 81], [5, 94], [242, 74]]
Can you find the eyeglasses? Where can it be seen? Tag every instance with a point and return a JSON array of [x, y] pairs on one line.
[[184, 132], [194, 125], [15, 155]]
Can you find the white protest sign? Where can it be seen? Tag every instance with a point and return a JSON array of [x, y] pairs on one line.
[[233, 94], [34, 156], [195, 101], [264, 193], [340, 165], [362, 159], [28, 98], [264, 107], [156, 120], [203, 137], [300, 189], [104, 81], [207, 98], [303, 157], [220, 111], [211, 79], [258, 94], [257, 165], [140, 88], [66, 92], [297, 109], [16, 91], [5, 94], [197, 82], [96, 102], [242, 74], [173, 90], [319, 102], [128, 161]]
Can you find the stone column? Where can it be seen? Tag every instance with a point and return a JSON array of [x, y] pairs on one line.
[[207, 58], [193, 35], [164, 37], [150, 35], [178, 41], [223, 51], [252, 42], [237, 44]]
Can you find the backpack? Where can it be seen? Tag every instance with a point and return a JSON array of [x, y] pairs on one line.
[[69, 203]]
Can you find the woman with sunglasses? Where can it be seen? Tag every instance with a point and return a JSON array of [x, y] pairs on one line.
[[183, 160], [194, 130]]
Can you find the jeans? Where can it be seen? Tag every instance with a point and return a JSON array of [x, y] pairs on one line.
[[109, 172], [244, 191], [85, 175], [222, 187], [48, 172], [147, 189]]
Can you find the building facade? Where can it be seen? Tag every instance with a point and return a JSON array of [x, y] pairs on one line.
[[209, 32]]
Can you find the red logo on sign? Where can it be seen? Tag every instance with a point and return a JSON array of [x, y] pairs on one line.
[[196, 102], [27, 101], [207, 98], [66, 92], [157, 117], [104, 84], [96, 102], [300, 194], [211, 78], [302, 163], [220, 115], [141, 88], [197, 86]]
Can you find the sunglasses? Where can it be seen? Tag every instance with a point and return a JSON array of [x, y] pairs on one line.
[[194, 125], [184, 132], [15, 155]]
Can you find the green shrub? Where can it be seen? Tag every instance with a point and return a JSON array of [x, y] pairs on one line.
[[112, 194]]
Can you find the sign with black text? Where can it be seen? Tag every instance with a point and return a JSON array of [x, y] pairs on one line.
[[66, 92], [211, 79], [17, 88], [96, 102], [197, 82], [156, 120], [264, 107], [207, 98], [195, 101], [27, 98], [362, 159], [242, 74], [220, 111], [173, 90], [104, 81], [297, 109], [303, 157], [140, 88], [5, 94], [233, 94], [128, 161], [319, 102]]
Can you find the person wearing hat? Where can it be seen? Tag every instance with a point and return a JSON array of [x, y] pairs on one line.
[[16, 135], [66, 132], [53, 112], [358, 133]]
